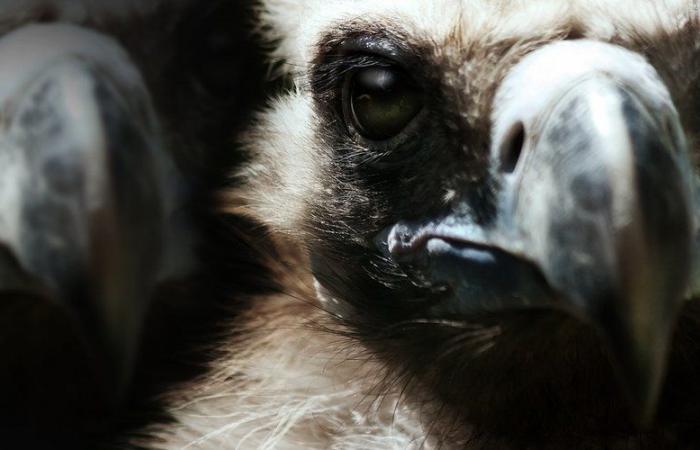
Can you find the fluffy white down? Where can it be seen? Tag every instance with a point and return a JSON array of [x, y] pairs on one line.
[[297, 25], [290, 385]]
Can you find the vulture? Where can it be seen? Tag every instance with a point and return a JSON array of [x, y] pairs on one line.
[[481, 221], [118, 127], [452, 224]]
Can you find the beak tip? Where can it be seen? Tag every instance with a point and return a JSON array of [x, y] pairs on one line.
[[643, 399], [643, 402], [640, 365]]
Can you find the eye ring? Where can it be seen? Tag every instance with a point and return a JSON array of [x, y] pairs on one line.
[[379, 102]]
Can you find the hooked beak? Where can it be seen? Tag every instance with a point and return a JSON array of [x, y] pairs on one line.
[[81, 185], [595, 197], [614, 239]]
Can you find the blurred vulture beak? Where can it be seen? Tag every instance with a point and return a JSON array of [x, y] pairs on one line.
[[595, 215], [82, 192]]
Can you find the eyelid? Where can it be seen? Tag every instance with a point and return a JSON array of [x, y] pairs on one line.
[[340, 55], [332, 74], [377, 47]]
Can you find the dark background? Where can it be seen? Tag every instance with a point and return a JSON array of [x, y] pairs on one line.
[[204, 67]]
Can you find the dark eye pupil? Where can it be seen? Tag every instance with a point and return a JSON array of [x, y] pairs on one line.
[[382, 102]]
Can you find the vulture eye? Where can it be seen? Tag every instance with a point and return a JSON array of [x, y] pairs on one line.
[[382, 101]]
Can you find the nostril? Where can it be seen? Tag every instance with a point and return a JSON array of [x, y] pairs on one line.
[[512, 148]]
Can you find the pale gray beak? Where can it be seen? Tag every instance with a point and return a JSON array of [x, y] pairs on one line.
[[600, 197], [595, 214], [615, 238]]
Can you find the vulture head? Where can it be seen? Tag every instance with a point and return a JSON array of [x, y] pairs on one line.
[[498, 201]]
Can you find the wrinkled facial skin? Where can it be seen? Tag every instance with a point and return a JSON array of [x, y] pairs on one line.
[[529, 376]]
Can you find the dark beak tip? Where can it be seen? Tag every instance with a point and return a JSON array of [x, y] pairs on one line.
[[643, 399], [640, 367]]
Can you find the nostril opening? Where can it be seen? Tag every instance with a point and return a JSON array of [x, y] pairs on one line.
[[512, 148]]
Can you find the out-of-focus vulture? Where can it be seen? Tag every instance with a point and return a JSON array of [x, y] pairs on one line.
[[477, 222], [117, 126]]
